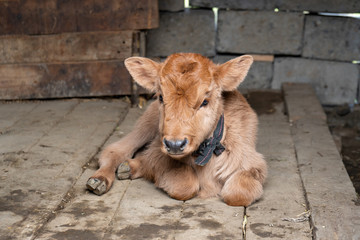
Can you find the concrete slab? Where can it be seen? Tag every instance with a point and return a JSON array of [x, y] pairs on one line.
[[179, 32], [171, 6], [244, 31], [283, 197], [334, 82], [333, 6], [330, 194], [323, 33]]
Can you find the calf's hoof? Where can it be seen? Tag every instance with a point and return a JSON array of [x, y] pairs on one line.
[[124, 171], [96, 186], [238, 201]]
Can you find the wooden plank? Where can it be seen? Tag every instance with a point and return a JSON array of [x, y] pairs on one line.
[[88, 213], [146, 213], [139, 45], [137, 210], [37, 180], [50, 17], [19, 137], [66, 47], [87, 216], [12, 112], [329, 191], [118, 15], [28, 129], [210, 219], [78, 79], [283, 193], [263, 58]]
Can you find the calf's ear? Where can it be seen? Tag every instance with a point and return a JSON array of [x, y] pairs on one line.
[[144, 71], [233, 72]]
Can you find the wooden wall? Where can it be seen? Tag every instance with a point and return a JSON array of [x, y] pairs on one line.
[[57, 48]]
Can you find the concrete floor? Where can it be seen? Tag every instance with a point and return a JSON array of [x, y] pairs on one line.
[[48, 149]]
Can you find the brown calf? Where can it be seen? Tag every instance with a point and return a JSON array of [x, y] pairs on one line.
[[200, 133]]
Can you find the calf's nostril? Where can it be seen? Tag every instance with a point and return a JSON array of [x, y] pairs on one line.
[[167, 144], [183, 144]]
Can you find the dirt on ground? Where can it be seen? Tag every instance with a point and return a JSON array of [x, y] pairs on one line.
[[263, 101], [344, 124]]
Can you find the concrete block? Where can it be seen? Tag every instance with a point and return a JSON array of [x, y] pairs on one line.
[[259, 76], [358, 91], [259, 32], [333, 6], [333, 38], [171, 5], [230, 4], [334, 82], [345, 6], [188, 31]]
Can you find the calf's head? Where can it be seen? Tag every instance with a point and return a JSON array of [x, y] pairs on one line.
[[189, 88]]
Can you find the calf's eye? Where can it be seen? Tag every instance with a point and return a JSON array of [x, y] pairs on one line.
[[204, 103], [161, 99]]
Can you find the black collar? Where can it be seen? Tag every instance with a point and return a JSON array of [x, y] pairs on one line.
[[211, 145]]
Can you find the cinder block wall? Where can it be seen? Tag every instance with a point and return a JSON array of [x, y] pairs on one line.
[[298, 47]]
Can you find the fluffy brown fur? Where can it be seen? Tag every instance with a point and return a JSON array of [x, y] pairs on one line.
[[184, 81]]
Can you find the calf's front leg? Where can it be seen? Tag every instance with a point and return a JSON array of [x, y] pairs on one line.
[[177, 179], [144, 131]]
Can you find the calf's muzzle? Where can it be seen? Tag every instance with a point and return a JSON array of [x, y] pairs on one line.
[[175, 146]]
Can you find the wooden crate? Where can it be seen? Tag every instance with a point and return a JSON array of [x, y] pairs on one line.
[[78, 58]]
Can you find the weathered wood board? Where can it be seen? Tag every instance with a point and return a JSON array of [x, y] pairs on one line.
[[66, 47], [59, 49], [283, 194], [68, 65], [50, 17], [45, 145], [137, 210], [88, 214], [328, 188], [51, 80], [37, 174]]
